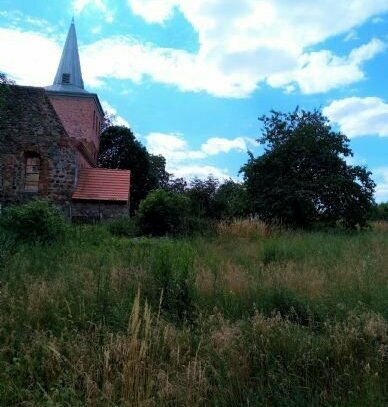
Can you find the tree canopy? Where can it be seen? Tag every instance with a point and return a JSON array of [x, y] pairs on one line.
[[119, 149], [303, 177]]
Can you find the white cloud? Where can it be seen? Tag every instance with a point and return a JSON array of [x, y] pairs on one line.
[[181, 160], [175, 148], [249, 41], [240, 45], [217, 145], [80, 6], [358, 117], [16, 17], [367, 51], [116, 118], [172, 146], [322, 71], [151, 11], [199, 171], [381, 178], [25, 52]]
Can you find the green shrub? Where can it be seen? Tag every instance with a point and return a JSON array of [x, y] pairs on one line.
[[123, 227], [196, 226], [162, 213], [34, 222]]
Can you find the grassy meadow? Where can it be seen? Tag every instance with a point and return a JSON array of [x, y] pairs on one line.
[[245, 317]]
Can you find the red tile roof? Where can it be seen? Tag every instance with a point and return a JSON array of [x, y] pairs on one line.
[[100, 184]]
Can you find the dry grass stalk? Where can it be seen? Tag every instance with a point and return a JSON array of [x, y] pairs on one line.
[[244, 228], [304, 279], [380, 226], [137, 382]]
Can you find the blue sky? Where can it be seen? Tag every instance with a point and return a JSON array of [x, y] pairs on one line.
[[191, 77]]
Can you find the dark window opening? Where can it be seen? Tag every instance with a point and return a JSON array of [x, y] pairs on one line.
[[66, 78], [31, 183]]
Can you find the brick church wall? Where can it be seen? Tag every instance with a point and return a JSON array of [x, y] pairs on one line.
[[80, 118]]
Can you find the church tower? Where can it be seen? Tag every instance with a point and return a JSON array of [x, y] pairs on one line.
[[80, 111]]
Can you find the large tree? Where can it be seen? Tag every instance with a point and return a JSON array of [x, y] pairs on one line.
[[231, 200], [201, 194], [303, 177], [119, 149], [158, 176]]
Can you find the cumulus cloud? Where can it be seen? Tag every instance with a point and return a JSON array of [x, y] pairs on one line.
[[174, 147], [217, 145], [232, 75], [171, 146], [358, 117], [322, 71], [112, 112], [199, 171], [250, 41], [25, 52], [181, 159], [240, 45]]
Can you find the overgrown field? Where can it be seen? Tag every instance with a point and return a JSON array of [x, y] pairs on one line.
[[245, 318]]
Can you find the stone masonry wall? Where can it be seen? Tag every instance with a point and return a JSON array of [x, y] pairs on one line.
[[83, 210], [29, 125]]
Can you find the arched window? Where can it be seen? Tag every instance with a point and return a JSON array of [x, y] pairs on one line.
[[31, 180]]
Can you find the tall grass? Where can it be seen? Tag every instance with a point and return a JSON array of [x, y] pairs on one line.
[[248, 317]]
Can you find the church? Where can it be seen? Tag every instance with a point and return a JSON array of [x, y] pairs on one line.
[[49, 141]]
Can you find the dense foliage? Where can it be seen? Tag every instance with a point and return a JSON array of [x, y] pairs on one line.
[[161, 213], [303, 179], [212, 199], [201, 195], [231, 200], [119, 149], [34, 222]]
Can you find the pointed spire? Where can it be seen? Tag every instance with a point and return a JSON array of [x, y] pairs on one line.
[[69, 76]]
